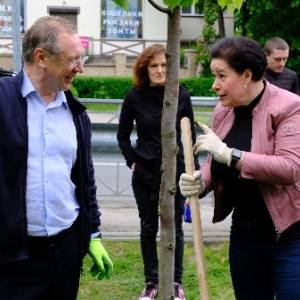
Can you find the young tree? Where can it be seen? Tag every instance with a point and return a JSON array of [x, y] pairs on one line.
[[172, 9]]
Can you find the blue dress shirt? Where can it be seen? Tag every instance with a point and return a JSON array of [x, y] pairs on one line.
[[50, 194]]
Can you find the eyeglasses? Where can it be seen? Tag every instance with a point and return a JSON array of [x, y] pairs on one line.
[[73, 63]]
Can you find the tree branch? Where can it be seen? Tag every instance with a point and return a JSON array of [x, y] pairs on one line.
[[160, 8]]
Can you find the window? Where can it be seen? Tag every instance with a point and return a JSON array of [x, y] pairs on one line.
[[118, 23], [69, 13], [192, 10], [6, 17]]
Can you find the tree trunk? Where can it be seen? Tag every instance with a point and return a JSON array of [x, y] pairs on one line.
[[169, 153], [221, 23]]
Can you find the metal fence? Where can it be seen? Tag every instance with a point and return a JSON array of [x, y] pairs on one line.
[[113, 178], [196, 102]]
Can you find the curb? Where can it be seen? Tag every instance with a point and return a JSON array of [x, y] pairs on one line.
[[208, 237]]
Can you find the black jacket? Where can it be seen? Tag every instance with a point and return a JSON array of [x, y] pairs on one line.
[[287, 79], [144, 107], [13, 169]]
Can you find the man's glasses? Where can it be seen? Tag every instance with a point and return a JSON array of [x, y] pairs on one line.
[[73, 63]]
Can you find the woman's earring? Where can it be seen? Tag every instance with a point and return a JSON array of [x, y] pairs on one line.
[[245, 85]]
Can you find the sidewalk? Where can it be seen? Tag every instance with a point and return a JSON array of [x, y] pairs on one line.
[[103, 117]]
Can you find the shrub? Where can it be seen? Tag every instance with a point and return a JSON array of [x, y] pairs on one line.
[[199, 86], [116, 87], [102, 87]]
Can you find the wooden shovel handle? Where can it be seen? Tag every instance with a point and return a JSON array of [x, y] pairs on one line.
[[195, 209]]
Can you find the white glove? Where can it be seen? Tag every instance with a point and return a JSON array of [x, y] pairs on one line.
[[191, 184], [210, 142]]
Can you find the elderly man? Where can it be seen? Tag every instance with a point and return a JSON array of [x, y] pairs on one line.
[[49, 216]]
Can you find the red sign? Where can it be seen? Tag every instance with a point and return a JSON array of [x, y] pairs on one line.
[[85, 41]]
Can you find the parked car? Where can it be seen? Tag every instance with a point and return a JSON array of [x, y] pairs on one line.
[[6, 73]]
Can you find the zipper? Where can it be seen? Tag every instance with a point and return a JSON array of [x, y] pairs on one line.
[[277, 232], [278, 235]]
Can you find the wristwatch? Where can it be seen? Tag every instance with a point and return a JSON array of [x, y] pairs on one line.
[[235, 157]]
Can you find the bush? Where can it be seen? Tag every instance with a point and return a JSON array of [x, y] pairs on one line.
[[199, 86], [102, 87], [116, 87]]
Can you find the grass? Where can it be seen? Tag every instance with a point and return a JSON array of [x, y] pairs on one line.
[[128, 280], [115, 107], [101, 107]]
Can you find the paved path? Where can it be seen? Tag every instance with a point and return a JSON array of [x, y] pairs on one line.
[[120, 219], [103, 117]]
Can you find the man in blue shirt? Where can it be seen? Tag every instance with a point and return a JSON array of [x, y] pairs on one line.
[[49, 214]]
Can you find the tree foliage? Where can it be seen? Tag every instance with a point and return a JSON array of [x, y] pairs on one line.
[[264, 19], [230, 4], [211, 12]]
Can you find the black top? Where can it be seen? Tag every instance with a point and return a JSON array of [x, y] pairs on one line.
[[287, 79], [144, 108]]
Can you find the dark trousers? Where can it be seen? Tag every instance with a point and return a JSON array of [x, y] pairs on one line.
[[262, 267], [52, 270], [149, 220]]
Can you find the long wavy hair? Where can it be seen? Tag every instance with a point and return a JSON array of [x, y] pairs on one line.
[[140, 71]]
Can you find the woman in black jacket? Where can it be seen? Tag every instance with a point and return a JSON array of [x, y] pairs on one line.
[[143, 106]]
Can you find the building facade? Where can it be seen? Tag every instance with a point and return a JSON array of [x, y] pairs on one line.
[[104, 28]]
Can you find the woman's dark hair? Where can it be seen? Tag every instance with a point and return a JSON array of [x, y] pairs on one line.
[[140, 71], [241, 53]]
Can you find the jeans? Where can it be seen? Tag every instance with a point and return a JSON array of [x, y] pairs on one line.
[[149, 220], [262, 266]]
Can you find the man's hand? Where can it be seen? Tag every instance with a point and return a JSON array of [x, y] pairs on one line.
[[210, 142], [102, 263], [191, 184]]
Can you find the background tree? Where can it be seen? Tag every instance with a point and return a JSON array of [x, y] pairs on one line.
[[264, 19], [172, 10], [212, 12]]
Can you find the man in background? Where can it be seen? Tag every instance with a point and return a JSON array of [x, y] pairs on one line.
[[277, 51]]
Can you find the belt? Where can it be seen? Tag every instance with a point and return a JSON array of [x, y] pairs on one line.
[[49, 241]]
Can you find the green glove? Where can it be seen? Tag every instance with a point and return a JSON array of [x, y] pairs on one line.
[[102, 263]]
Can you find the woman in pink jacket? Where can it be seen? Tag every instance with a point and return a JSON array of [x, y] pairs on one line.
[[253, 168]]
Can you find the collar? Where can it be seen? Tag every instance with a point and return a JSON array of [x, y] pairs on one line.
[[28, 88]]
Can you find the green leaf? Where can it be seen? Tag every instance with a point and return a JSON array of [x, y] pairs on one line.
[[187, 3], [223, 3], [237, 4], [172, 3], [124, 4], [231, 4]]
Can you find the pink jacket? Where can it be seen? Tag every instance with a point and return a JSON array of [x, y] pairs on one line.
[[274, 160]]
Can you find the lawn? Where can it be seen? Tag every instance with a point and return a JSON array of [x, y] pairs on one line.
[[128, 280]]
